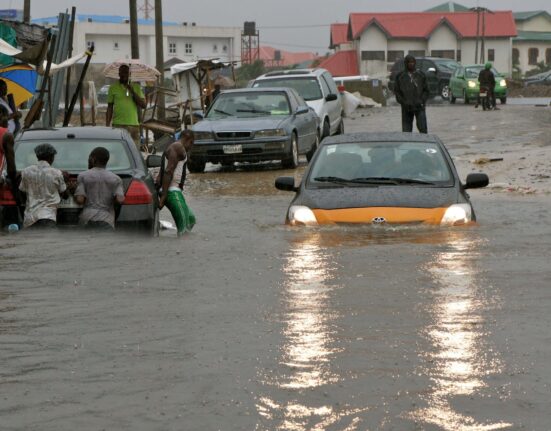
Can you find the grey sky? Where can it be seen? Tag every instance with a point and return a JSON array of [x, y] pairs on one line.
[[304, 24]]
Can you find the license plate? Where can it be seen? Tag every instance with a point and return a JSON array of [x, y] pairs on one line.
[[68, 203], [232, 149]]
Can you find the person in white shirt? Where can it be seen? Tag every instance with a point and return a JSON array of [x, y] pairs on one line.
[[44, 187]]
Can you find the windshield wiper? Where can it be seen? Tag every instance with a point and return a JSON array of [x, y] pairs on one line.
[[389, 180], [219, 111], [336, 180], [253, 111]]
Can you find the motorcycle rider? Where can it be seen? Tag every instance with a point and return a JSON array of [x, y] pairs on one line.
[[412, 91], [487, 79]]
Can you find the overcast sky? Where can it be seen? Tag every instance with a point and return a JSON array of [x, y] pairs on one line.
[[302, 25]]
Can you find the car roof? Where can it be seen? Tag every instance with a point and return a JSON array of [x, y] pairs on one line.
[[350, 138], [81, 132], [257, 90], [293, 72]]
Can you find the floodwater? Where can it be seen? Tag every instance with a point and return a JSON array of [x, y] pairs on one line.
[[248, 324]]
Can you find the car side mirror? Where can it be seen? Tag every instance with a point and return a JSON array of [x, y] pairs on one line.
[[153, 161], [287, 184], [431, 70], [476, 181], [302, 110], [331, 97]]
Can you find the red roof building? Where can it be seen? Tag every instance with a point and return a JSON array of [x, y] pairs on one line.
[[273, 57], [342, 63], [339, 36]]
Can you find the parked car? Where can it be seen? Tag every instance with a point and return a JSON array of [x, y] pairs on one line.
[[319, 90], [253, 125], [543, 78], [437, 70], [464, 84], [375, 178], [73, 145], [102, 93]]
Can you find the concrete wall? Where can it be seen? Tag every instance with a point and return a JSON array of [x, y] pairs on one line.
[[443, 38], [503, 53], [373, 39], [202, 40], [407, 45], [523, 48]]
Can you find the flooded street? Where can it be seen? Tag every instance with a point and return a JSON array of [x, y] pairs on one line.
[[247, 324]]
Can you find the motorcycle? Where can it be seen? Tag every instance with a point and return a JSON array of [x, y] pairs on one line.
[[485, 98]]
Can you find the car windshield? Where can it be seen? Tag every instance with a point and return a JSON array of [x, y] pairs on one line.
[[449, 65], [72, 154], [472, 72], [250, 104], [372, 163], [307, 87]]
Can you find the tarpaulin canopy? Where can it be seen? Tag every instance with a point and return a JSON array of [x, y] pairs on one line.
[[200, 64], [21, 82], [139, 71]]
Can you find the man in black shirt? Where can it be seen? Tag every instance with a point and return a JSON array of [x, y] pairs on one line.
[[487, 80]]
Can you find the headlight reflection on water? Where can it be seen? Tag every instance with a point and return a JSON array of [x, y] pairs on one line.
[[461, 358]]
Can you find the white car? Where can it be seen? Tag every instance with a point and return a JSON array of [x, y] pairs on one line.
[[318, 89]]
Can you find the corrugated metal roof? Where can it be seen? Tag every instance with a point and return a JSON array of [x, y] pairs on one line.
[[524, 16], [540, 36], [342, 63], [449, 6], [339, 34], [421, 24]]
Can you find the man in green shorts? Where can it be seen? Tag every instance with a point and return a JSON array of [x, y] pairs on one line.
[[123, 100], [171, 180]]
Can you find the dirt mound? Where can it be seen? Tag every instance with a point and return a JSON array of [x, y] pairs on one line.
[[530, 91]]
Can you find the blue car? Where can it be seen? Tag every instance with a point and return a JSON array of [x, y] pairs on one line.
[[254, 125]]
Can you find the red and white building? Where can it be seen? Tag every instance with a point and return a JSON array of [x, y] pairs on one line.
[[376, 40]]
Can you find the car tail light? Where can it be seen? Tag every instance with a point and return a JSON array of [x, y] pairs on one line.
[[137, 194], [6, 195]]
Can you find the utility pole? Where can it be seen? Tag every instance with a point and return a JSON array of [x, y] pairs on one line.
[[134, 41], [483, 11], [146, 9], [482, 49], [477, 34], [27, 11], [159, 56]]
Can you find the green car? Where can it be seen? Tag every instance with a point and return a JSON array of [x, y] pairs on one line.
[[464, 84]]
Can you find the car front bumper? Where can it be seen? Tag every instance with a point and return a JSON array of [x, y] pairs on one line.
[[241, 151]]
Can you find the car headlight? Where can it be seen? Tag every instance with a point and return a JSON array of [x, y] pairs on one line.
[[301, 215], [457, 214], [503, 83], [471, 84], [270, 132], [202, 136]]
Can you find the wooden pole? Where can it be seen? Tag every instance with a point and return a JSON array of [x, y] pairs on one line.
[[159, 54], [70, 54], [477, 35], [79, 88], [134, 38], [27, 11], [482, 45]]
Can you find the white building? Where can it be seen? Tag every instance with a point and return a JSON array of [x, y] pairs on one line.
[[186, 41]]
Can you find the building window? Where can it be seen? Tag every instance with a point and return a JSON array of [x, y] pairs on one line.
[[189, 48], [491, 55], [373, 55], [225, 48], [417, 52], [458, 55], [90, 44], [172, 48], [548, 56], [516, 56], [392, 56], [115, 45], [533, 54], [214, 48], [443, 53]]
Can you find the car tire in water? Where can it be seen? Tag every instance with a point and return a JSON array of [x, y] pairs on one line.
[[326, 129], [340, 129], [196, 166], [465, 98], [153, 226], [452, 98], [315, 146], [291, 162], [503, 100]]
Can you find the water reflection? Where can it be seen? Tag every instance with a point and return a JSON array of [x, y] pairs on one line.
[[461, 357], [309, 343]]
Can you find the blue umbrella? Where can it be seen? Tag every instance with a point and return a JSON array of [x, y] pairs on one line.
[[21, 81]]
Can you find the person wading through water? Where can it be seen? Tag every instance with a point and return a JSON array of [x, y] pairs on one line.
[[412, 92], [171, 180]]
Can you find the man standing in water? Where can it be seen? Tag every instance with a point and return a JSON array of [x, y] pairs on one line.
[[123, 103], [412, 92], [171, 181]]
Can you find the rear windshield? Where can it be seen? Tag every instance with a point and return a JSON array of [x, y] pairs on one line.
[[473, 72], [307, 87], [448, 65], [72, 154]]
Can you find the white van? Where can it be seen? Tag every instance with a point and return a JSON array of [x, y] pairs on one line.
[[318, 89]]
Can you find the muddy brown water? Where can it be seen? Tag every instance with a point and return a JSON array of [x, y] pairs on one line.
[[247, 324]]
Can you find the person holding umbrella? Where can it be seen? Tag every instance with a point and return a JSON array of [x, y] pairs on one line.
[[123, 102]]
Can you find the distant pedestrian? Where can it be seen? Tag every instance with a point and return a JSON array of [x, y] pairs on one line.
[[124, 100], [7, 101], [171, 182], [44, 187], [412, 92], [98, 190]]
